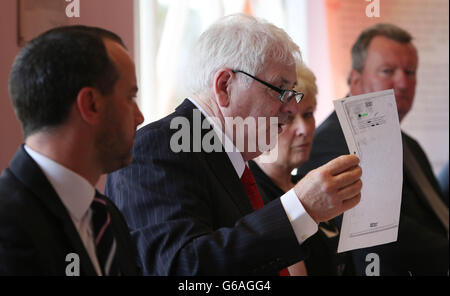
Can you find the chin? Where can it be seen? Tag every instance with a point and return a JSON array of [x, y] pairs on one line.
[[301, 159], [118, 163]]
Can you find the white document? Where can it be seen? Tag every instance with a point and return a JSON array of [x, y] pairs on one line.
[[372, 130]]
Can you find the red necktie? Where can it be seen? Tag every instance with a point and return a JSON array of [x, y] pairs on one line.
[[251, 189]]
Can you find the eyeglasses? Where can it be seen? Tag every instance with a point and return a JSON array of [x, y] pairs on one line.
[[285, 95]]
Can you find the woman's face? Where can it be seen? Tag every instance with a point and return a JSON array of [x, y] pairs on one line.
[[294, 142]]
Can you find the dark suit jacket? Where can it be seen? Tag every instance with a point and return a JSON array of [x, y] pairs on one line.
[[36, 231], [189, 213], [422, 245]]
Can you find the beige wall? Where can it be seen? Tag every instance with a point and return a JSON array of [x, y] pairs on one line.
[[114, 15]]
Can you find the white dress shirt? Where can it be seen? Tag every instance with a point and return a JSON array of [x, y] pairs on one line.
[[302, 224], [76, 194]]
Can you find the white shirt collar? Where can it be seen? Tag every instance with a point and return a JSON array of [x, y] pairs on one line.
[[75, 192], [235, 156]]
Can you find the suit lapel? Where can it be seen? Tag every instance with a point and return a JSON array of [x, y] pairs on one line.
[[220, 164], [29, 173], [408, 175], [223, 169]]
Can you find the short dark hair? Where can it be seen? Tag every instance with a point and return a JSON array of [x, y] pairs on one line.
[[359, 49], [50, 70]]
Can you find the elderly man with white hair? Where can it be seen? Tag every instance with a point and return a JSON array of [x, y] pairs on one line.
[[188, 196]]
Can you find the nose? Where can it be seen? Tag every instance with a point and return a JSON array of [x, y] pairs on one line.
[[304, 125], [401, 80], [139, 117], [301, 126]]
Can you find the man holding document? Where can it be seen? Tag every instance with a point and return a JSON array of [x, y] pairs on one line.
[[198, 211], [384, 58]]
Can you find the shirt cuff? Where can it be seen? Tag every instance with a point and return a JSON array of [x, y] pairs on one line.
[[303, 225]]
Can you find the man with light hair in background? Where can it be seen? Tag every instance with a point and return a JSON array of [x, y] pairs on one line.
[[199, 213]]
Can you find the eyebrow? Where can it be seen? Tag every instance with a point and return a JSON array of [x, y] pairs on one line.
[[287, 82]]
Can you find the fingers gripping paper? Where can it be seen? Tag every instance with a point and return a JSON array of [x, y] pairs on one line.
[[372, 131]]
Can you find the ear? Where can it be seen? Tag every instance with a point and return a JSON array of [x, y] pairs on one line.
[[355, 80], [222, 81], [90, 104]]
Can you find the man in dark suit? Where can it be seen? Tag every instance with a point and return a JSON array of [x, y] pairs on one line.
[[72, 89], [189, 197], [384, 58]]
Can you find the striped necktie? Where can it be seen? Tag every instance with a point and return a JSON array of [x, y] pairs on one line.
[[251, 189], [105, 243]]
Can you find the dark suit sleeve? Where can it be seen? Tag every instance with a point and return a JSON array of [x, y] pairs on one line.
[[183, 226]]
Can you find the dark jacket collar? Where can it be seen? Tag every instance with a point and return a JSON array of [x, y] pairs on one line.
[[28, 172], [220, 164]]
